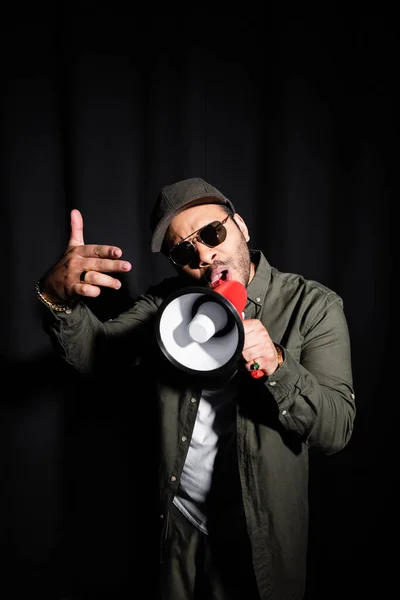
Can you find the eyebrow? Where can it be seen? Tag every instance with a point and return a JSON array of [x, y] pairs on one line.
[[194, 233]]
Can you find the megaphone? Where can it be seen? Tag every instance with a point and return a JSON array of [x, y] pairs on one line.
[[200, 330]]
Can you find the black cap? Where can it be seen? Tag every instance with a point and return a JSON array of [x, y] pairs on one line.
[[177, 196]]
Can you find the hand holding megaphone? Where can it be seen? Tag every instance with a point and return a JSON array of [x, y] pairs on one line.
[[236, 293]]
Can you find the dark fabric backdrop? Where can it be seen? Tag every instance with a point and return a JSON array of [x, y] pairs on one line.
[[292, 116]]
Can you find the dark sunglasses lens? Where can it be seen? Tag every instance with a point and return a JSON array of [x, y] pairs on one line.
[[213, 234], [182, 254]]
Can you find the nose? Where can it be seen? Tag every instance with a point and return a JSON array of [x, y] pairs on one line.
[[205, 254]]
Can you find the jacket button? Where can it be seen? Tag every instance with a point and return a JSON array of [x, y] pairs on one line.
[[172, 478]]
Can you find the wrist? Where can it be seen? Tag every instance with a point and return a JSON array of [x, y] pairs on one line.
[[57, 306], [279, 354]]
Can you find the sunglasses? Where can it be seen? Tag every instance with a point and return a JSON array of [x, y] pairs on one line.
[[210, 235]]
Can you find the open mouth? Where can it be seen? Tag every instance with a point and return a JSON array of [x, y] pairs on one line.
[[219, 275]]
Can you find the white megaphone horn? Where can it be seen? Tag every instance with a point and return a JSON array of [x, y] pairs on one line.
[[200, 330]]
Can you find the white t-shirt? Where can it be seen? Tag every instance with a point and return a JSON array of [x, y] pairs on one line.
[[215, 423]]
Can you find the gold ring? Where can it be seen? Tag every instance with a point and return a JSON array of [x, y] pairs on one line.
[[255, 366], [83, 275]]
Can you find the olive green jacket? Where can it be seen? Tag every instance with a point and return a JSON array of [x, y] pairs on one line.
[[307, 403]]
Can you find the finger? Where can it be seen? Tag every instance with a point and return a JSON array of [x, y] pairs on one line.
[[97, 280], [86, 289], [254, 363], [76, 237], [251, 347], [103, 265], [255, 368]]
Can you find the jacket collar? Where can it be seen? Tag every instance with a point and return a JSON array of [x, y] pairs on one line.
[[258, 287]]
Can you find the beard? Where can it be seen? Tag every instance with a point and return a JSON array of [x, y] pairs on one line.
[[238, 267], [243, 262]]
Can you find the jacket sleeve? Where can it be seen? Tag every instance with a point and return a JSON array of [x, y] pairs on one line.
[[314, 394], [88, 344]]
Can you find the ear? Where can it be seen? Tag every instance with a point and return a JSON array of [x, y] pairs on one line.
[[242, 226]]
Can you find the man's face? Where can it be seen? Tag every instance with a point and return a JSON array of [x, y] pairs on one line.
[[228, 260]]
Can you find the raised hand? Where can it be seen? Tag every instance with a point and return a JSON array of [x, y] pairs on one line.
[[83, 269]]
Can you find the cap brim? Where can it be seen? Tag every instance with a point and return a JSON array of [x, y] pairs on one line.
[[162, 226]]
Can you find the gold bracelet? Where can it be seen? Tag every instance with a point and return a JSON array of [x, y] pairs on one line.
[[57, 307]]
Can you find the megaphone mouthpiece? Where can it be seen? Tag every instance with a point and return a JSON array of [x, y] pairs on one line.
[[209, 319]]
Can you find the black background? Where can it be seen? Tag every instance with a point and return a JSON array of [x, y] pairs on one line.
[[292, 116]]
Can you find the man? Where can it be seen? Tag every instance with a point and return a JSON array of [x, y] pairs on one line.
[[233, 464]]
